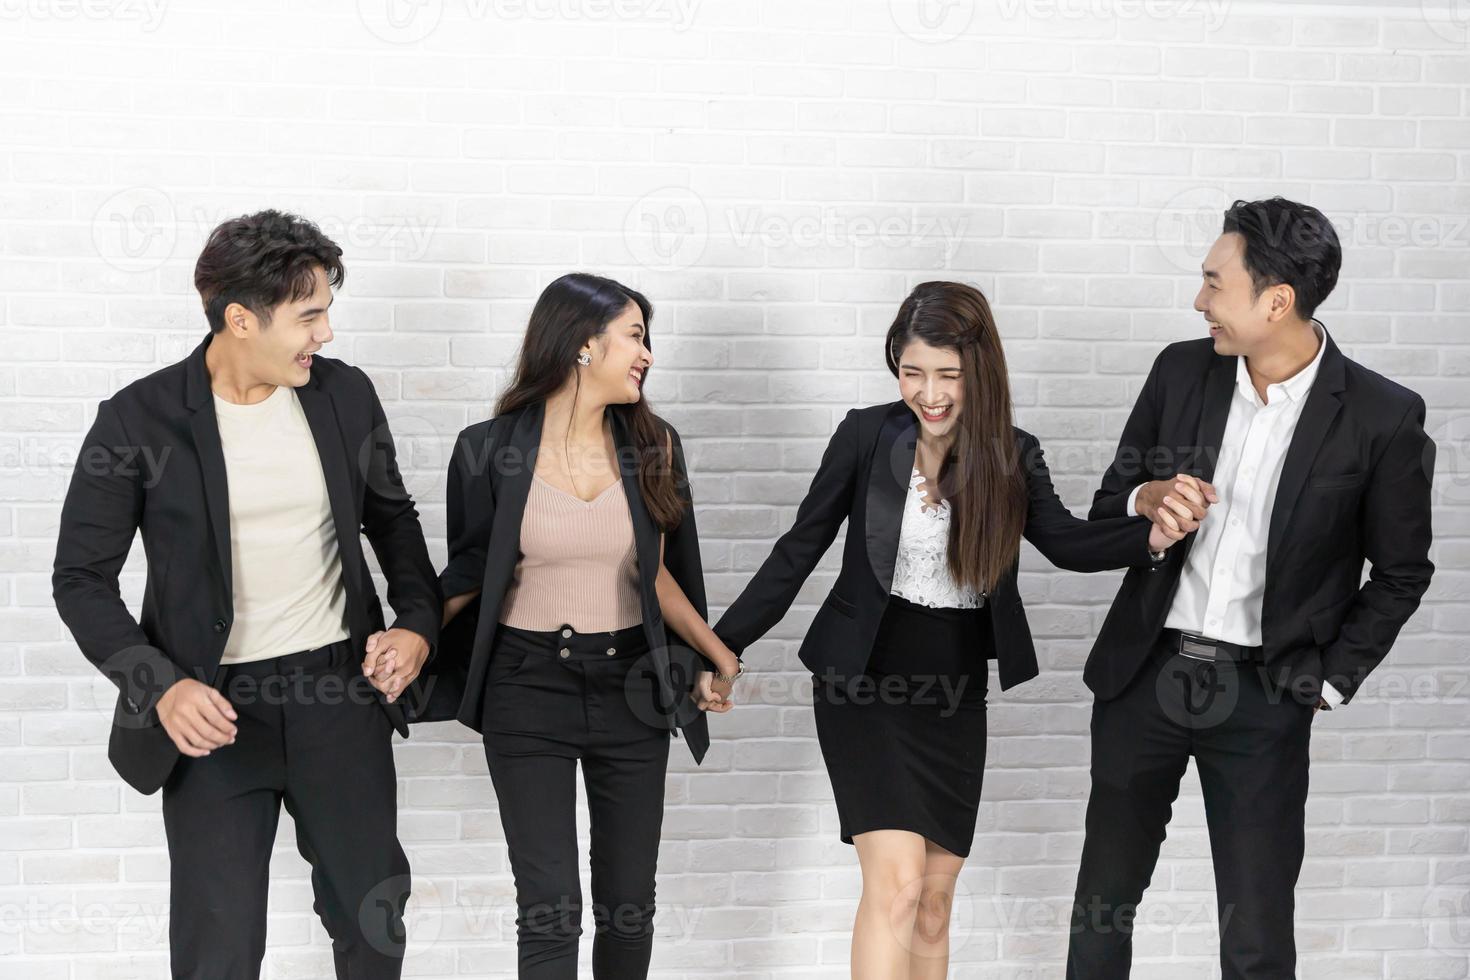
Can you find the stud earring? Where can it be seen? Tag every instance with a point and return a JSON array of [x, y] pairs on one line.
[[584, 358]]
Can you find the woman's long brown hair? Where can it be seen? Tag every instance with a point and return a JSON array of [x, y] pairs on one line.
[[982, 476], [570, 311]]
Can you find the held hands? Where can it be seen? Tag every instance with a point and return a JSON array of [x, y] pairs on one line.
[[1176, 507], [712, 694], [394, 659], [197, 717]]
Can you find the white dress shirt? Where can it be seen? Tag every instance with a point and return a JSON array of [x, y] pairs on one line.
[[1224, 577]]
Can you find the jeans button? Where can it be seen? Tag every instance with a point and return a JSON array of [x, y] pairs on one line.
[[565, 653], [611, 651], [566, 631]]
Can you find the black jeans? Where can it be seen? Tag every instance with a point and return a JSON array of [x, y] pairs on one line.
[[1250, 744], [552, 698], [312, 735]]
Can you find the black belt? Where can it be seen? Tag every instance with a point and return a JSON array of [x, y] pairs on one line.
[[1197, 647]]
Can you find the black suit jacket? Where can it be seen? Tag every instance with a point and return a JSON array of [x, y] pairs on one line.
[[863, 478], [1355, 485], [152, 461], [490, 475]]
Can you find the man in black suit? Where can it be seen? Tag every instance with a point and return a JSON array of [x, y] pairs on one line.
[[1294, 465], [252, 467]]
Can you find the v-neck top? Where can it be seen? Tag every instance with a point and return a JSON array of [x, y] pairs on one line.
[[578, 564]]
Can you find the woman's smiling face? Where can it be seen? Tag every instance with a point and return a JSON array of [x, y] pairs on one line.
[[931, 384], [620, 358]]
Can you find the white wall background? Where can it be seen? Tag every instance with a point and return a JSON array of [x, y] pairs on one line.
[[776, 176]]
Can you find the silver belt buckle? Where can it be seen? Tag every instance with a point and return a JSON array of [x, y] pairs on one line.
[[1196, 647]]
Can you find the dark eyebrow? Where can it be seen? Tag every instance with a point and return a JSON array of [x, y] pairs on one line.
[[1209, 273], [313, 311], [915, 367]]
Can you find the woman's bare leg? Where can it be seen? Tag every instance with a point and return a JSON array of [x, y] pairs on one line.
[[893, 863], [929, 952]]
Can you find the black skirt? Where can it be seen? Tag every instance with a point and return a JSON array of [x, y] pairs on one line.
[[904, 742]]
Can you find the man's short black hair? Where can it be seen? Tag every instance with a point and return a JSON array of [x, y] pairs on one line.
[[1290, 243], [262, 260]]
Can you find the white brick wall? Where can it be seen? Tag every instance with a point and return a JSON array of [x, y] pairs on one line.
[[776, 176]]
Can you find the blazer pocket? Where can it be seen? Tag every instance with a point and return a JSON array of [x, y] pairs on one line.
[[1338, 482], [842, 605]]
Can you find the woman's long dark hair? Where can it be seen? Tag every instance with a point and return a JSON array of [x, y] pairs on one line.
[[982, 476], [571, 311]]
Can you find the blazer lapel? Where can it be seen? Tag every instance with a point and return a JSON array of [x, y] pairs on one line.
[[645, 534], [199, 399], [646, 537], [1323, 404], [321, 417], [888, 487], [512, 465], [1219, 390]]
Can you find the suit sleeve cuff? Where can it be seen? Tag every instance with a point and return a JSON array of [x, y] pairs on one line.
[[1331, 695], [1128, 508], [424, 625]]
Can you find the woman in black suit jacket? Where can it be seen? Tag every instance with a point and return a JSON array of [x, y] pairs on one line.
[[925, 597], [550, 678]]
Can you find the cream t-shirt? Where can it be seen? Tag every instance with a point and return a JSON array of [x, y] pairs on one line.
[[289, 594]]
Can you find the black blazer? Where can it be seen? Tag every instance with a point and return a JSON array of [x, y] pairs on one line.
[[1355, 485], [864, 478], [152, 461], [490, 474]]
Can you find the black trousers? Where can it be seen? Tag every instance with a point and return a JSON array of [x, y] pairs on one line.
[[553, 698], [312, 735], [1250, 744]]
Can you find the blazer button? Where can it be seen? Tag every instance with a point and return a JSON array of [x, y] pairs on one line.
[[219, 625], [565, 653]]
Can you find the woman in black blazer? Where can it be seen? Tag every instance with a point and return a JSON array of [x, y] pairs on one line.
[[925, 597], [594, 677]]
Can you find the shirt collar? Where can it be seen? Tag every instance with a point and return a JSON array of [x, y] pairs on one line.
[[1295, 387]]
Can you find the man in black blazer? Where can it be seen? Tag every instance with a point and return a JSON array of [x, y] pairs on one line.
[[252, 467], [1298, 464]]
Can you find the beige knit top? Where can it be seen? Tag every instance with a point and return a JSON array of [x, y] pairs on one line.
[[578, 563]]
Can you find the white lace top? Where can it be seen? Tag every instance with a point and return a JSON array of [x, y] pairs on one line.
[[920, 572]]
